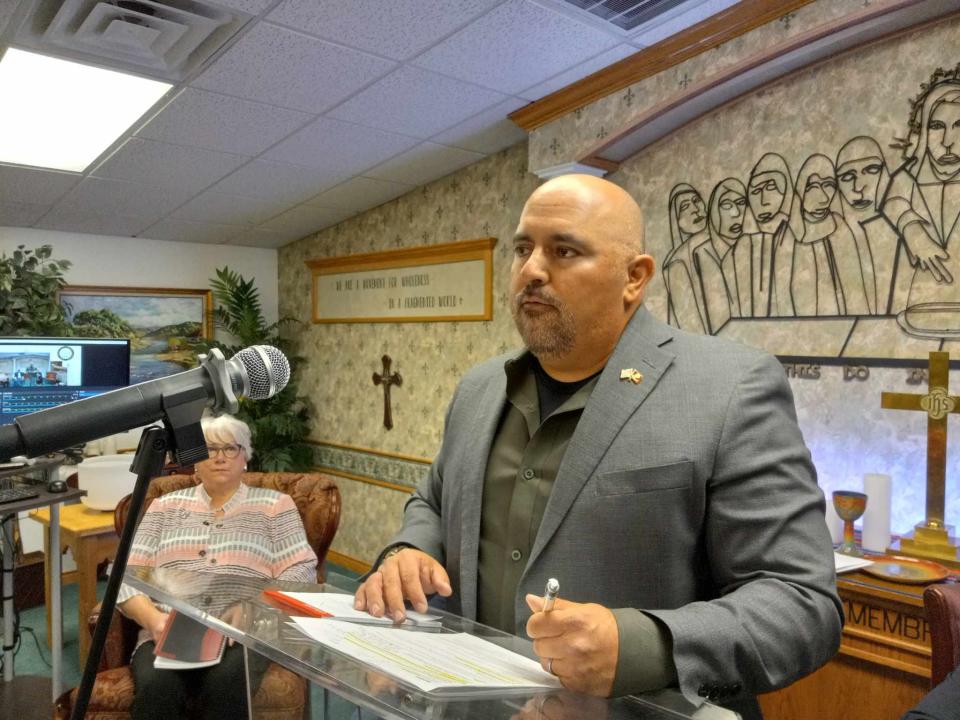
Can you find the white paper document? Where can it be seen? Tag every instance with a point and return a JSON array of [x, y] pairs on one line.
[[340, 606], [441, 663], [846, 563]]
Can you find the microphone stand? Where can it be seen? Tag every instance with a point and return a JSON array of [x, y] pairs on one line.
[[183, 437]]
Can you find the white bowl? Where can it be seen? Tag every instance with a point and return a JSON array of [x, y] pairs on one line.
[[107, 479]]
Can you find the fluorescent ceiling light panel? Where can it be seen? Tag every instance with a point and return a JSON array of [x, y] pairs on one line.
[[62, 115]]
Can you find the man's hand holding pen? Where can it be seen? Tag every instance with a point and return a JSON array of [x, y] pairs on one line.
[[407, 575], [577, 642]]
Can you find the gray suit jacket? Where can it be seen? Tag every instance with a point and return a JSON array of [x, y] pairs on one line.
[[690, 495]]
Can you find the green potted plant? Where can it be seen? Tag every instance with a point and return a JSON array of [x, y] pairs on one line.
[[279, 424], [30, 283]]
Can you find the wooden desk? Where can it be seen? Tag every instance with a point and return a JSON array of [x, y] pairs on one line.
[[92, 538], [883, 666]]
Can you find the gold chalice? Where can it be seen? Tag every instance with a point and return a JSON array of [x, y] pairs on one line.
[[849, 506]]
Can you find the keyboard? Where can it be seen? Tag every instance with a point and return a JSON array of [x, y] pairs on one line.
[[9, 495]]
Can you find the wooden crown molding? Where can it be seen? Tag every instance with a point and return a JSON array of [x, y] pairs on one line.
[[772, 64], [733, 22]]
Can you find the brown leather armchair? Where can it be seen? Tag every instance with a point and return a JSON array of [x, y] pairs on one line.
[[942, 603], [282, 694]]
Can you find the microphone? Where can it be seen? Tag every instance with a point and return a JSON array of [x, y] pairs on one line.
[[256, 372]]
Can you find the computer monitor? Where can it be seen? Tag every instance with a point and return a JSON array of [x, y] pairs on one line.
[[40, 373]]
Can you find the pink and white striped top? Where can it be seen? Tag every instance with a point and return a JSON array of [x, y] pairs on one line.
[[259, 534]]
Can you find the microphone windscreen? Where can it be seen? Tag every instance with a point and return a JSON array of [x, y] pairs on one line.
[[267, 370]]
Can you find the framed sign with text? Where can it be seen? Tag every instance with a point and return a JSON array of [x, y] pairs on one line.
[[433, 283]]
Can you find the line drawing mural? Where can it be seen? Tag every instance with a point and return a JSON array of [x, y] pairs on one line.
[[923, 202], [843, 237]]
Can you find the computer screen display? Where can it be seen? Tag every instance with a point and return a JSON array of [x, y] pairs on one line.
[[40, 373]]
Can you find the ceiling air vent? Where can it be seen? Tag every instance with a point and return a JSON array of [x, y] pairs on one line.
[[626, 14], [165, 39]]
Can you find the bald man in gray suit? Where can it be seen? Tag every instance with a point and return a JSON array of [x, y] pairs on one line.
[[660, 476]]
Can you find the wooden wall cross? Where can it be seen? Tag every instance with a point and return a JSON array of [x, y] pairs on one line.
[[938, 403], [387, 379]]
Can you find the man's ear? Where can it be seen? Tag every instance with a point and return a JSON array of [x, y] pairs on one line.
[[640, 270]]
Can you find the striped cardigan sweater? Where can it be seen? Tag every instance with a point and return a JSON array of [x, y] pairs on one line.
[[260, 534]]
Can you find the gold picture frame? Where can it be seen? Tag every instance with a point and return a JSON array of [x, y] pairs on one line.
[[163, 324], [447, 282]]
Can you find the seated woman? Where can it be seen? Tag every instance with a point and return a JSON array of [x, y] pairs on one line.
[[219, 526]]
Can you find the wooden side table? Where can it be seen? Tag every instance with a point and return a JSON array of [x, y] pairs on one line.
[[91, 537]]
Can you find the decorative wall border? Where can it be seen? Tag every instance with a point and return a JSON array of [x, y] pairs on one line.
[[375, 467]]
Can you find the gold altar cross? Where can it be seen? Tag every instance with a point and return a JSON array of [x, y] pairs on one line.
[[932, 537]]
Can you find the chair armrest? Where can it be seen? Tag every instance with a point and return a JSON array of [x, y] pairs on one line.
[[121, 639]]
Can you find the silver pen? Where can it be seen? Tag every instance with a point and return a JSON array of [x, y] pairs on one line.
[[550, 593]]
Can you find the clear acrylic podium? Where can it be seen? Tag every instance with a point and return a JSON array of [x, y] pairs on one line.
[[343, 687]]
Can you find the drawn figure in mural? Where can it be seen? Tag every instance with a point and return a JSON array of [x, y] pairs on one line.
[[713, 261], [862, 179], [923, 202], [763, 288], [688, 231], [828, 276]]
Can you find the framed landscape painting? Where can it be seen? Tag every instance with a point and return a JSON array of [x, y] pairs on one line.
[[165, 325]]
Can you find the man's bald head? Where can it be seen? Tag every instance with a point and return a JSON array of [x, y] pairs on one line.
[[578, 272], [613, 207]]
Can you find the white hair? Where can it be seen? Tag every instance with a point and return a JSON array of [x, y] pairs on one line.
[[227, 429]]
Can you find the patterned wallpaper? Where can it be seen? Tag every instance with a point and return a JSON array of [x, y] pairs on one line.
[[482, 200], [815, 111]]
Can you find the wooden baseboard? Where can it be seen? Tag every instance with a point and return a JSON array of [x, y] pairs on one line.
[[350, 563]]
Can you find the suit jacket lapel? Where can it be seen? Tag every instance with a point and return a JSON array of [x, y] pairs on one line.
[[610, 406], [489, 408]]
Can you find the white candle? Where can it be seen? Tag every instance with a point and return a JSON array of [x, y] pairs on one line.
[[876, 519], [834, 523]]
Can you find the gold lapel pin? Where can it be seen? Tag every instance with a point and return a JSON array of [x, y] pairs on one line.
[[631, 374]]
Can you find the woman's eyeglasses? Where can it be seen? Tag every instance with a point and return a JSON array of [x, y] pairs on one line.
[[229, 451]]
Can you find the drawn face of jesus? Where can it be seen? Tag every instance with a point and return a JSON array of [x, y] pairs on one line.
[[943, 137]]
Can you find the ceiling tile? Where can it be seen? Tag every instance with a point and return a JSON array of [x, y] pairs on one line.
[[517, 45], [189, 231], [399, 29], [13, 214], [487, 132], [673, 22], [157, 163], [219, 122], [30, 185], [604, 59], [424, 163], [282, 67], [6, 12], [421, 103], [305, 220], [123, 197], [254, 7], [278, 182], [222, 209], [94, 223], [360, 193], [339, 146], [261, 237]]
